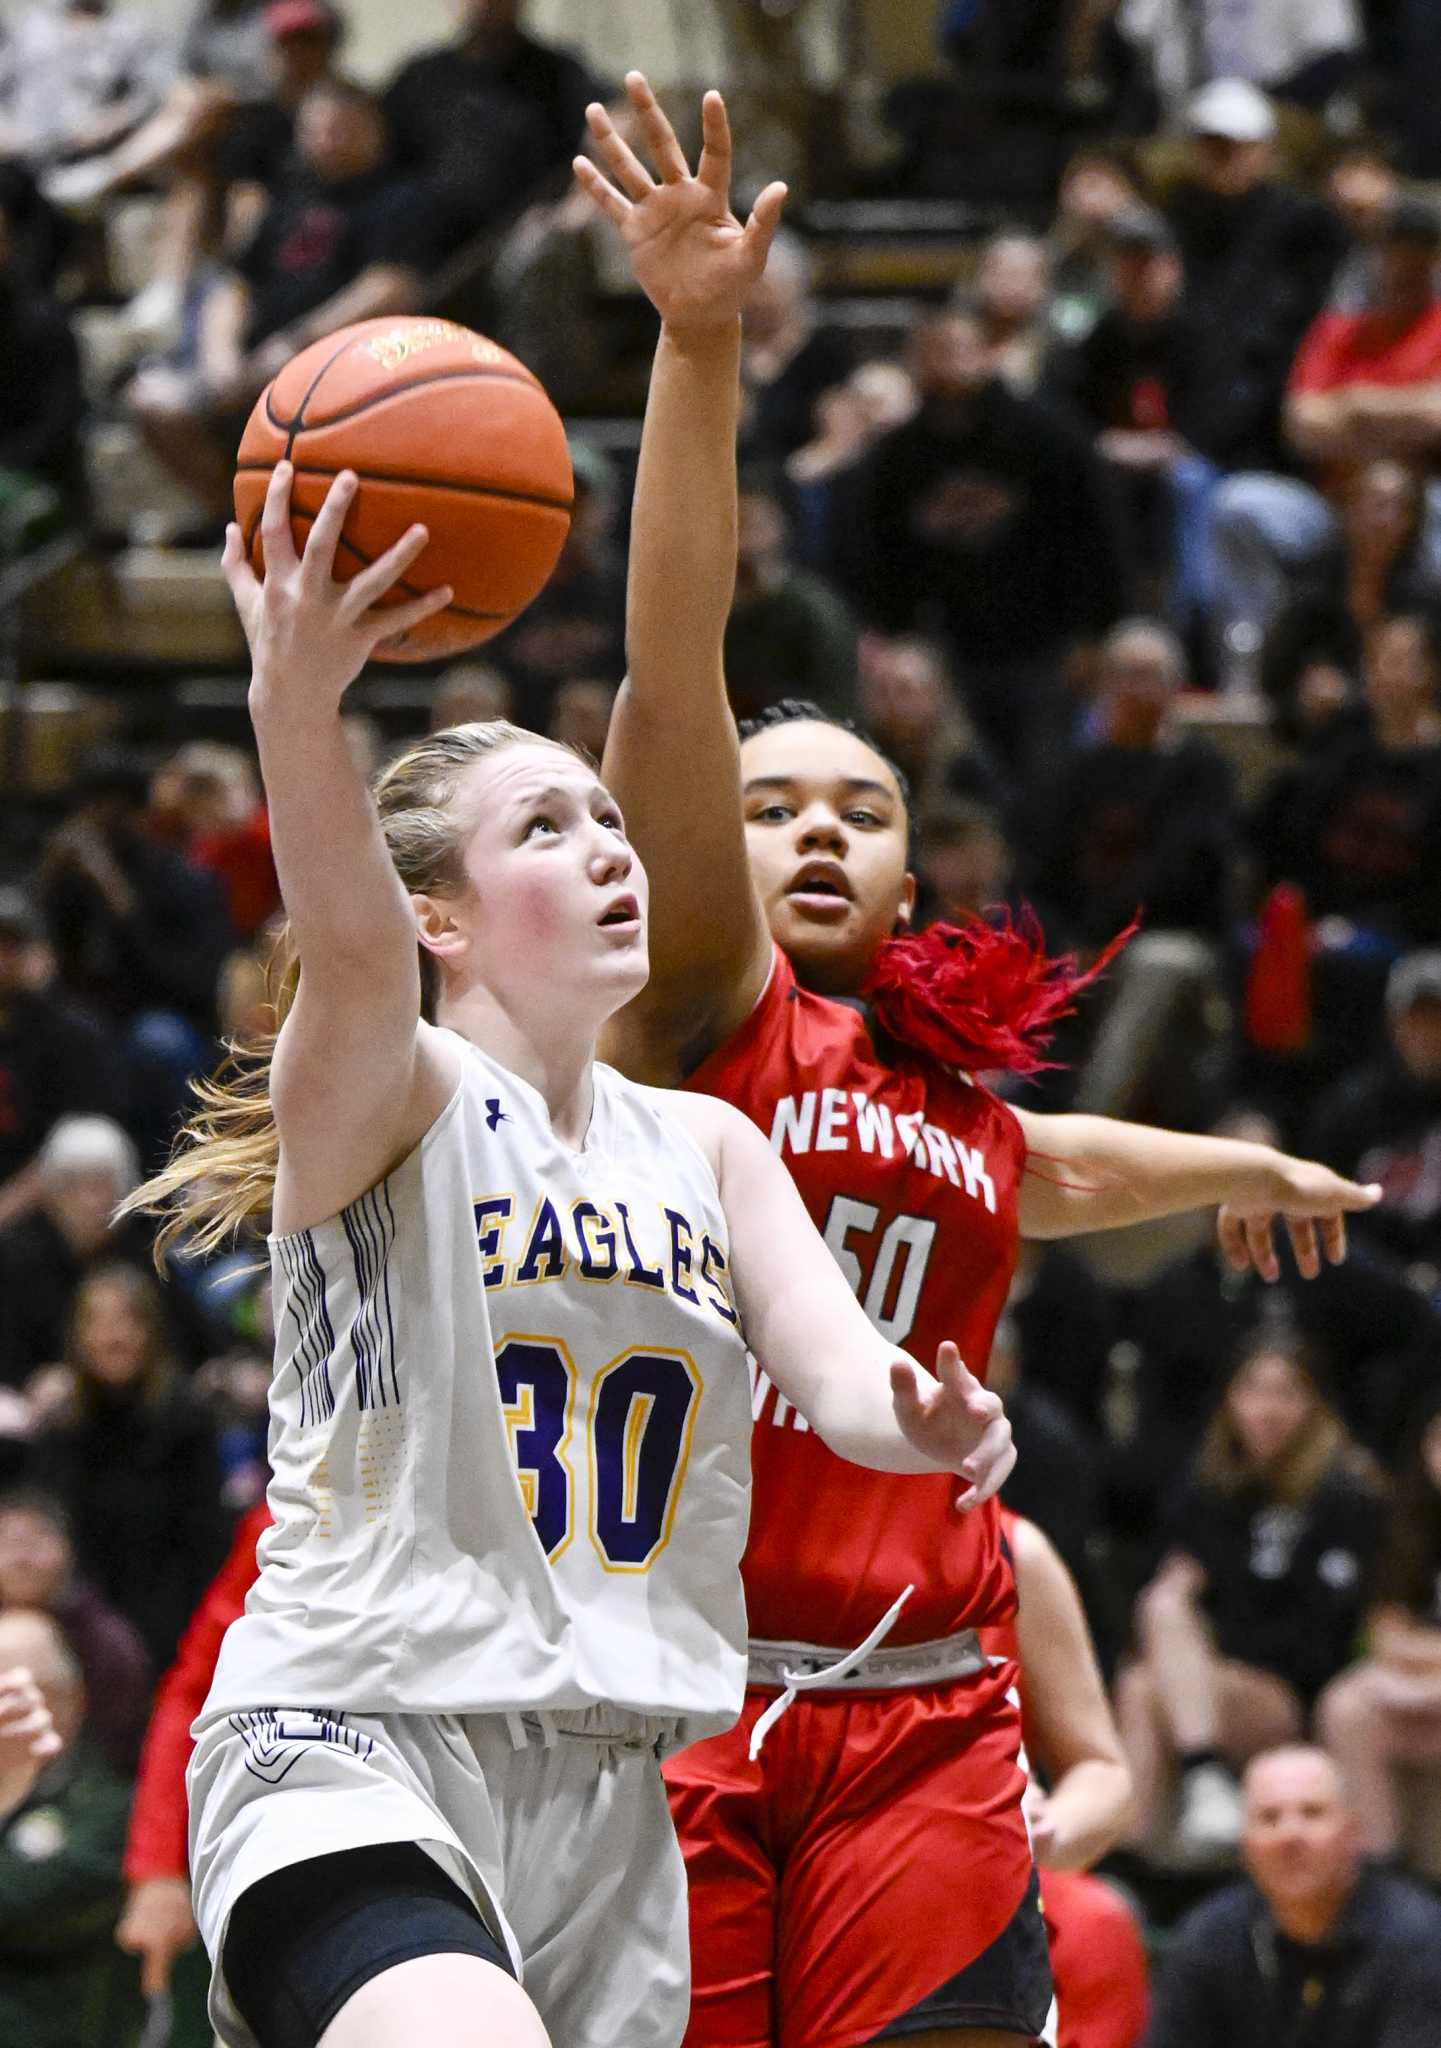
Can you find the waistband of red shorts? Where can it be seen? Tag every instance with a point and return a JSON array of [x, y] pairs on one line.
[[885, 1669]]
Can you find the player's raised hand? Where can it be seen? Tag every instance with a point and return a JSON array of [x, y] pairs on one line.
[[307, 631], [1313, 1204], [956, 1422], [693, 259], [27, 1732]]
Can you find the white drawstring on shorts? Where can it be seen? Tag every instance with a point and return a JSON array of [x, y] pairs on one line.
[[811, 1681], [518, 1727]]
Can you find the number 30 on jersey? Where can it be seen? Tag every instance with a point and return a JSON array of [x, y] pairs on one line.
[[635, 1441]]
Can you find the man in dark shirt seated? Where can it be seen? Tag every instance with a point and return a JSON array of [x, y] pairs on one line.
[[1139, 820], [1314, 1946], [485, 122], [346, 239], [986, 517]]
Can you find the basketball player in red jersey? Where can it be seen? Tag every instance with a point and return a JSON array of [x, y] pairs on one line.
[[867, 1875]]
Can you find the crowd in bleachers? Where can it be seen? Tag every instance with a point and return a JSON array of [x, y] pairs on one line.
[[1160, 466]]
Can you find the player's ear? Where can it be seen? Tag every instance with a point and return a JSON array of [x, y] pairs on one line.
[[906, 907], [436, 928]]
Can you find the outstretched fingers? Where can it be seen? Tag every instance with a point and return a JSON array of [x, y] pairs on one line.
[[625, 166], [236, 569], [394, 621], [906, 1393], [1231, 1233], [765, 218], [666, 152], [714, 168], [276, 539], [370, 584], [600, 192], [317, 564], [1302, 1232], [989, 1466]]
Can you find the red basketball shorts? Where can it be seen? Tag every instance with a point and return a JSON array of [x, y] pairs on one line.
[[868, 1874]]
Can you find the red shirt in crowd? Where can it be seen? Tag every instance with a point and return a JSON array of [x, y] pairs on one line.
[[157, 1843], [911, 1174], [241, 860], [1368, 348]]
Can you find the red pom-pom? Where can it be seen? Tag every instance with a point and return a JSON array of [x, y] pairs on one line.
[[983, 997]]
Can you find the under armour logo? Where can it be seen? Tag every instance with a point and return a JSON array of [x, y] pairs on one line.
[[494, 1114]]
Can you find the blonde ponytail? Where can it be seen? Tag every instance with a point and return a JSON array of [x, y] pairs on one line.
[[221, 1175]]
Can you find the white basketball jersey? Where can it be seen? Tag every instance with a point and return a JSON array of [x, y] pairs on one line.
[[510, 1426]]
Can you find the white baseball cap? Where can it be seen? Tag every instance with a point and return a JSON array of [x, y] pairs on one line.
[[1233, 108]]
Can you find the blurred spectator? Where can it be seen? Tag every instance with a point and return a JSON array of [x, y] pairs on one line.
[[41, 403], [345, 240], [580, 715], [1259, 1598], [470, 691], [1259, 256], [62, 1834], [1376, 564], [254, 153], [1055, 1483], [236, 1392], [86, 1165], [1097, 184], [226, 45], [1364, 384], [788, 358], [54, 1059], [41, 239], [206, 801], [82, 75], [824, 479], [1011, 294], [1314, 1946], [1380, 1341], [37, 1570], [1064, 1325], [909, 707], [1383, 1123], [1369, 382], [1139, 821], [1026, 76], [1361, 831], [158, 1924], [133, 1459], [223, 64], [228, 140], [1362, 185], [576, 627], [139, 935], [1407, 39], [986, 517], [1148, 391], [964, 861], [1299, 50], [789, 634], [488, 121], [1386, 1710]]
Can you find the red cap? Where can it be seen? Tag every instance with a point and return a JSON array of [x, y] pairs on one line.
[[300, 18]]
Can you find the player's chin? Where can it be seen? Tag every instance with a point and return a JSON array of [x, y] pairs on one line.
[[829, 958]]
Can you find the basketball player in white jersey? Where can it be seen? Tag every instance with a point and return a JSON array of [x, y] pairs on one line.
[[511, 1407]]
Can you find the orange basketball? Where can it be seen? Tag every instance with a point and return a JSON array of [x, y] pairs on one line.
[[441, 426]]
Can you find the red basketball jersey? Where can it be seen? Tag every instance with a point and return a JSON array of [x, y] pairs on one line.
[[910, 1172]]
